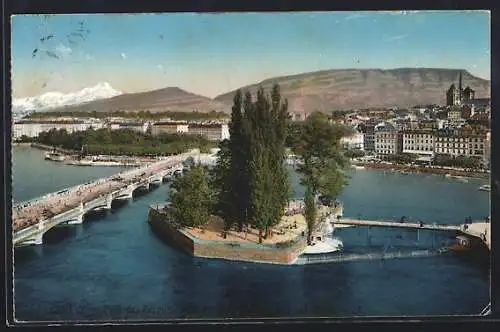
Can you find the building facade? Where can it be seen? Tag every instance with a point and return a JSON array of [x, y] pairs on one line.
[[461, 142], [169, 127], [31, 128], [419, 142], [387, 140], [212, 132]]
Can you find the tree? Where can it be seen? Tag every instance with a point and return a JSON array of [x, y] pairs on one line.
[[310, 212], [324, 164], [191, 198]]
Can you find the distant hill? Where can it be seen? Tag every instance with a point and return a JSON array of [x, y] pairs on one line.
[[362, 88], [167, 99], [325, 91]]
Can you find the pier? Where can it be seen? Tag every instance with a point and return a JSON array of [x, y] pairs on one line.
[[479, 229], [395, 224], [33, 218]]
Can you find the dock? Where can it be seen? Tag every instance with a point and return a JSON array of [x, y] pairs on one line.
[[395, 224]]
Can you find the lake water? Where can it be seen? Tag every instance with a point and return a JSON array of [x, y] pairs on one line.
[[114, 267]]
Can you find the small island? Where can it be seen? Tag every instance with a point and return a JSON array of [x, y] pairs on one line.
[[242, 209]]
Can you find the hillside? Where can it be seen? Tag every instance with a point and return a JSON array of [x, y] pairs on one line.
[[361, 88], [167, 99]]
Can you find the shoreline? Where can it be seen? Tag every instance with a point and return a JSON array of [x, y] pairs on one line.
[[109, 161], [424, 170]]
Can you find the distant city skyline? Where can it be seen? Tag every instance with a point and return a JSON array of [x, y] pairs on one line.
[[210, 54]]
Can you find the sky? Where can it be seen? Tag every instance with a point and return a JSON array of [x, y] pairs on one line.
[[210, 54]]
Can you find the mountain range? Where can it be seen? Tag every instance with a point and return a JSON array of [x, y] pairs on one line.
[[323, 90]]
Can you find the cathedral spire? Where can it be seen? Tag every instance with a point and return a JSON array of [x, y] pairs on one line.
[[460, 82]]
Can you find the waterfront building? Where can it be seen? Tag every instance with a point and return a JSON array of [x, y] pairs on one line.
[[419, 142], [139, 126], [211, 131], [387, 139], [169, 127], [461, 142], [368, 130], [32, 128]]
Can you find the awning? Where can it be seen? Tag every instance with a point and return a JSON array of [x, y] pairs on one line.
[[425, 158]]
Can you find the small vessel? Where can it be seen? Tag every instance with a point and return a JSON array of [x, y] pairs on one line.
[[458, 177], [54, 156], [464, 243], [485, 187], [359, 167], [323, 245]]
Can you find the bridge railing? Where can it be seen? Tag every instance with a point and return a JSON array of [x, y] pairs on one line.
[[66, 191]]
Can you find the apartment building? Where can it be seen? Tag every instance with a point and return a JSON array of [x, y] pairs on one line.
[[213, 132], [368, 130], [32, 128], [169, 127], [420, 142], [140, 126], [387, 140], [461, 142]]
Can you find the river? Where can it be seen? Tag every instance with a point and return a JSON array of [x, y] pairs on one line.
[[114, 267]]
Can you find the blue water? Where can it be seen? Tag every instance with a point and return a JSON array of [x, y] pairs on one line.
[[114, 267]]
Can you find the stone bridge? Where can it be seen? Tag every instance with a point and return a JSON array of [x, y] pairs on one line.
[[33, 234]]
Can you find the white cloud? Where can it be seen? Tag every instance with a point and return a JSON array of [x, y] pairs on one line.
[[124, 56], [159, 67], [89, 57], [393, 38], [63, 50]]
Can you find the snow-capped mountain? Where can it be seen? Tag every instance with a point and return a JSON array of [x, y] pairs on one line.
[[51, 100]]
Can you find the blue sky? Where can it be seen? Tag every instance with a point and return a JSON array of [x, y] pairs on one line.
[[211, 54]]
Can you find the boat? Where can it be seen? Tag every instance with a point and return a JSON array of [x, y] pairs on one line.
[[54, 156], [464, 243], [323, 245], [458, 177], [485, 187], [359, 167]]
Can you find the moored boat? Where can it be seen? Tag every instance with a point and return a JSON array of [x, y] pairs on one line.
[[464, 243], [54, 156], [485, 187]]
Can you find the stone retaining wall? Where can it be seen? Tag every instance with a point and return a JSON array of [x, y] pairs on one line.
[[236, 251]]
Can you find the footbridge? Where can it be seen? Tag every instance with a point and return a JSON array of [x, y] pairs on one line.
[[72, 204], [476, 229]]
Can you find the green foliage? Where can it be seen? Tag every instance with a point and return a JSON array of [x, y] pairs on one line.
[[459, 161], [124, 142], [141, 115], [191, 198], [251, 179], [354, 153], [404, 158], [324, 166], [310, 211], [26, 139]]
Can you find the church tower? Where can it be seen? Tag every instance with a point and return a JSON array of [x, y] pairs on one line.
[[460, 90]]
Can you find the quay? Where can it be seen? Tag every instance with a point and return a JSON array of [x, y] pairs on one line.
[[33, 218]]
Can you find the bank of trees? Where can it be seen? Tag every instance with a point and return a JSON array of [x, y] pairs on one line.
[[459, 161], [123, 142], [250, 179], [191, 198]]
